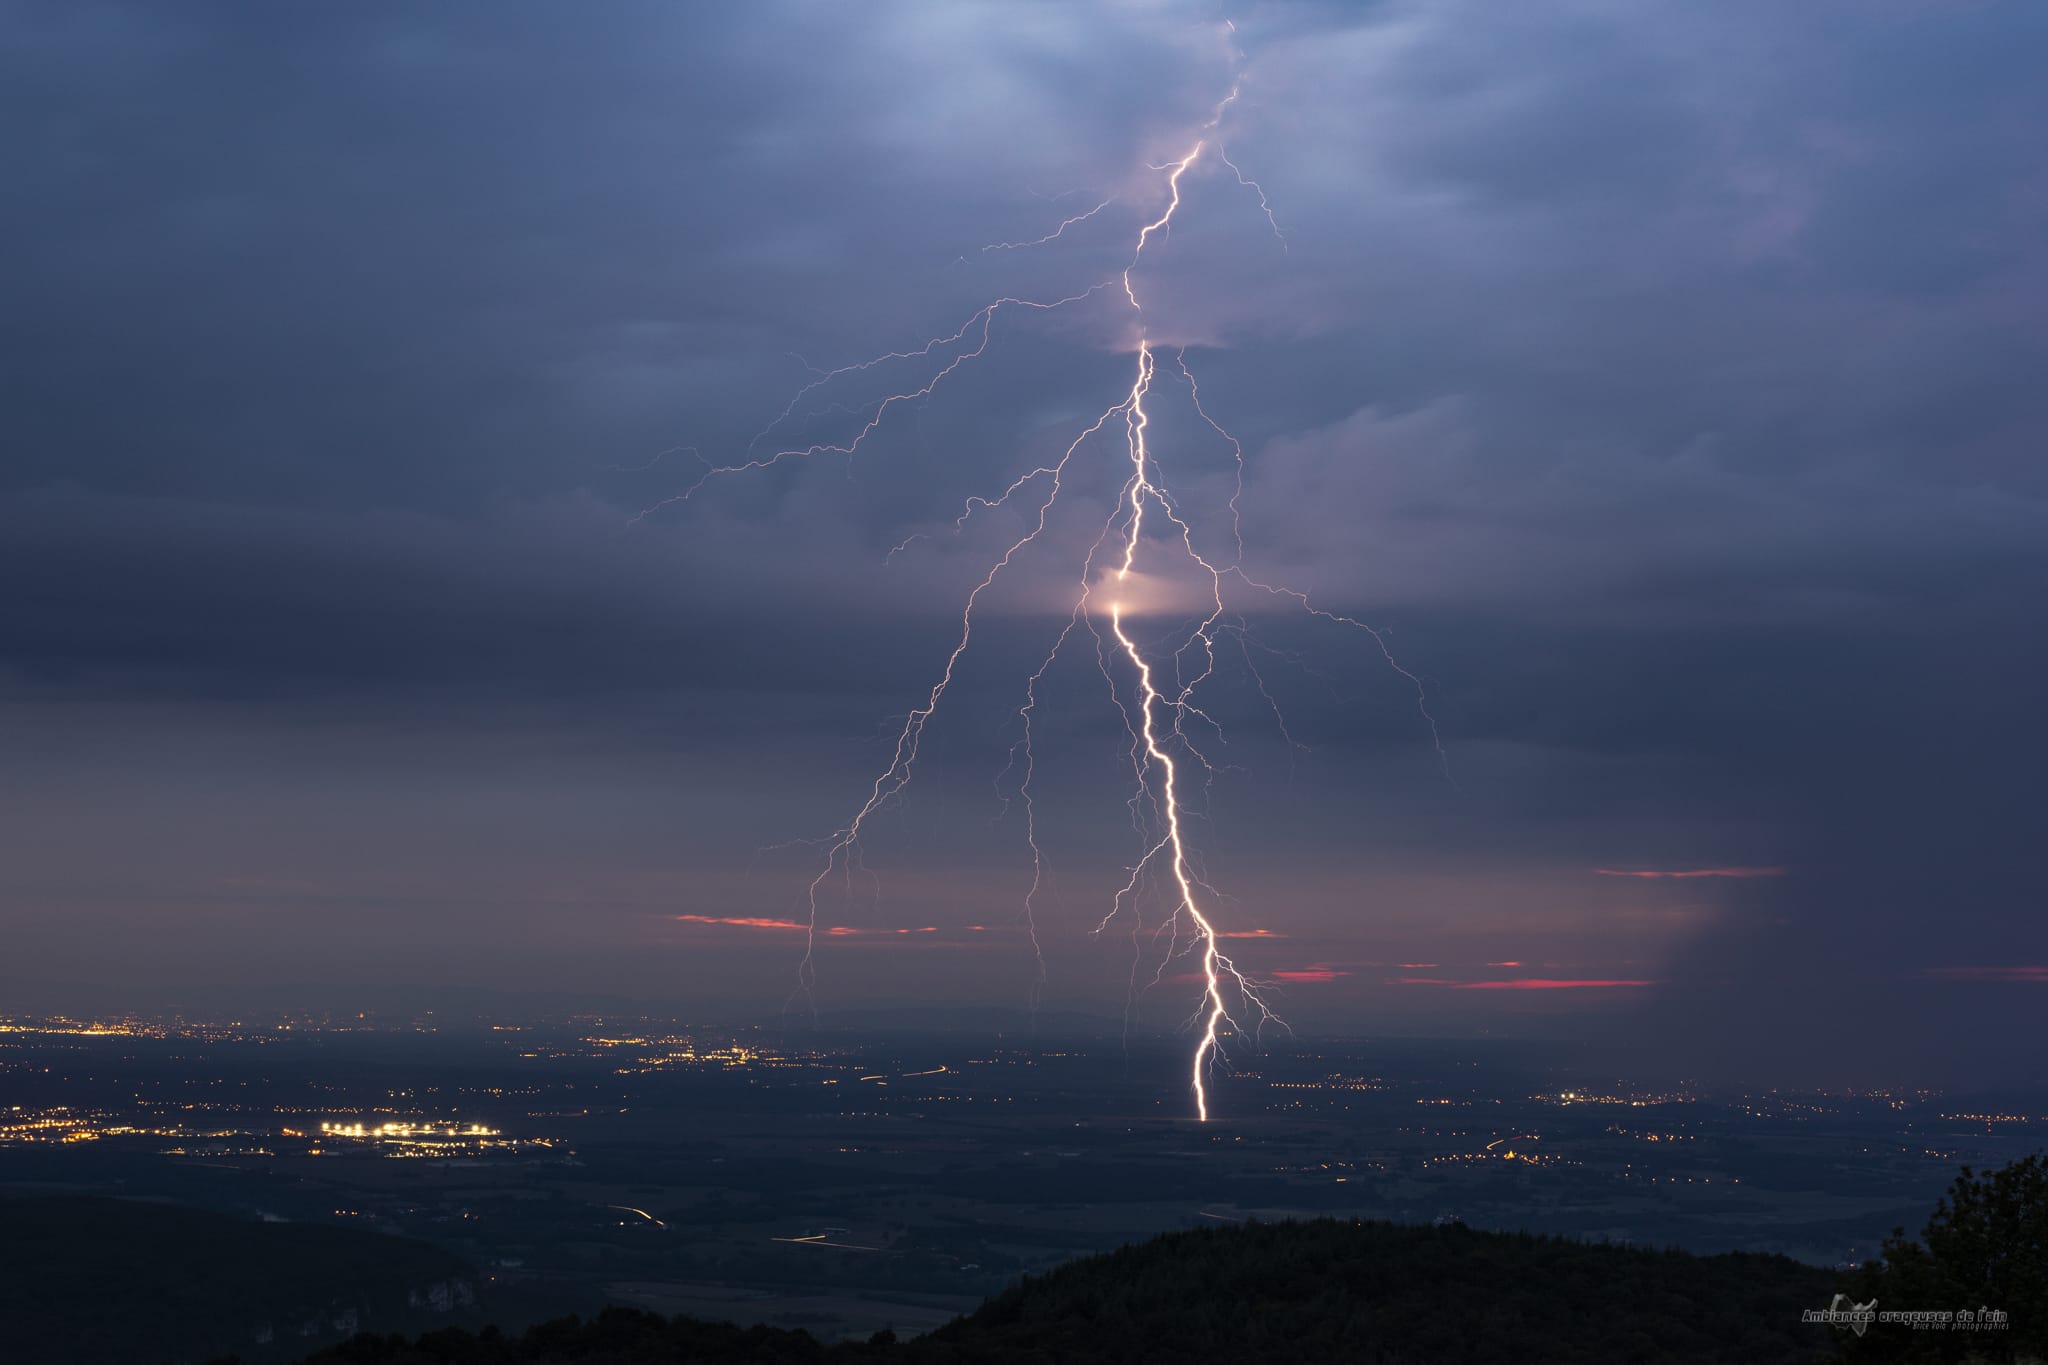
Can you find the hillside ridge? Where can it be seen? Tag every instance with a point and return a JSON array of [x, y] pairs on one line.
[[1308, 1292]]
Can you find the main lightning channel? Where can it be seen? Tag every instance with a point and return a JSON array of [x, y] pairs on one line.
[[1214, 1011]]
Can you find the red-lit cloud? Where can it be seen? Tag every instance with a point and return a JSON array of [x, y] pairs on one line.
[[1250, 933], [741, 922], [1684, 874], [847, 930], [1321, 971], [1542, 983], [836, 931], [2021, 973]]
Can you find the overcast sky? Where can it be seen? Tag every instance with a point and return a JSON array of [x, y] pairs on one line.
[[1665, 378]]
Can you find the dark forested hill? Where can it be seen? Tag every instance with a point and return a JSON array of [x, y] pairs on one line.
[[85, 1281], [1337, 1291], [1304, 1293]]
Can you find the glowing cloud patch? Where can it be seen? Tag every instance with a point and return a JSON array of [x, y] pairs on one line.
[[742, 921]]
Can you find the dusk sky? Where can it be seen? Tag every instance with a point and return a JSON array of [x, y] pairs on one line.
[[1665, 378]]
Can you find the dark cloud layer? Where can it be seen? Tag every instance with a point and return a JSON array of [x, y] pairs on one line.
[[1665, 376]]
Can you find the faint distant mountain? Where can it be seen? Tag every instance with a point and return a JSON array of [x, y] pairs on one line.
[[1340, 1293]]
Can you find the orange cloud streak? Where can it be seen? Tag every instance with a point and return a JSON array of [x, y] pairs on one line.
[[741, 922]]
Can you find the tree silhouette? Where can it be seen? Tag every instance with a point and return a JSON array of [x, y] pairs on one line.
[[1986, 1247]]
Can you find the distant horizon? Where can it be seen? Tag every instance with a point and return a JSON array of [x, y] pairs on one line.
[[939, 1025]]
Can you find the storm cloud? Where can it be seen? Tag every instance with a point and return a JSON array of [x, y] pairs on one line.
[[1665, 379]]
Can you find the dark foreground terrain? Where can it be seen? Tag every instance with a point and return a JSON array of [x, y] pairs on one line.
[[90, 1280], [1323, 1291], [1972, 1287]]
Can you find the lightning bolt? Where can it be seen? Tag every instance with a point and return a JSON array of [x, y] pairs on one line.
[[1158, 714], [1052, 236]]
